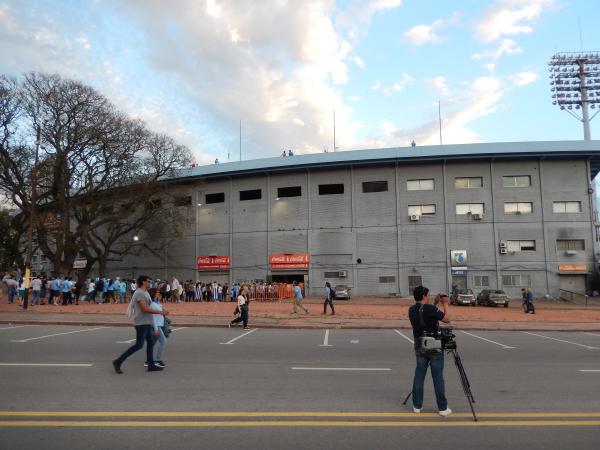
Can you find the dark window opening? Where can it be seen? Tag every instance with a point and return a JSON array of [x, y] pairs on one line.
[[154, 203], [375, 186], [254, 194], [183, 201], [292, 191], [215, 198], [331, 189]]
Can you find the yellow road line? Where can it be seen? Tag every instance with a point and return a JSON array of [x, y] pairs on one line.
[[296, 423], [162, 414]]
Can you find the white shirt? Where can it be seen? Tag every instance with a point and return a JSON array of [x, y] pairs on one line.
[[36, 284], [241, 300], [91, 287], [175, 284]]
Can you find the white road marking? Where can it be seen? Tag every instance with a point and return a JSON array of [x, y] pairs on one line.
[[17, 326], [354, 341], [131, 341], [488, 340], [357, 369], [590, 370], [58, 334], [405, 336], [239, 337], [45, 365], [593, 334], [561, 340], [326, 340]]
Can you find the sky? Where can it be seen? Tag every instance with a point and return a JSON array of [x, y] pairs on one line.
[[195, 69]]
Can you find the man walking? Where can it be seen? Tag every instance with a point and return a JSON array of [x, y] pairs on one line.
[[140, 306], [298, 299], [424, 319], [528, 301]]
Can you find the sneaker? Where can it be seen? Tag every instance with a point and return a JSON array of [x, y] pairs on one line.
[[117, 366], [416, 410], [145, 364], [229, 325], [445, 413], [160, 364], [246, 328], [154, 368]]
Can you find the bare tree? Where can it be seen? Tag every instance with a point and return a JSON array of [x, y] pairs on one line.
[[92, 155]]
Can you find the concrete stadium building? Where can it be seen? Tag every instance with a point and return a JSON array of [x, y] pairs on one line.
[[500, 215]]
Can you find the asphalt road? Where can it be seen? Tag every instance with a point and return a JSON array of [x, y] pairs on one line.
[[304, 389]]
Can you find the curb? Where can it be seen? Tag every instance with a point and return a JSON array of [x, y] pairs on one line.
[[294, 327]]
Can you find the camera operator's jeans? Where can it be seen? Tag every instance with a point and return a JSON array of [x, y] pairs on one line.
[[436, 361]]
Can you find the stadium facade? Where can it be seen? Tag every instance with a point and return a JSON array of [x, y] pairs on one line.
[[500, 215]]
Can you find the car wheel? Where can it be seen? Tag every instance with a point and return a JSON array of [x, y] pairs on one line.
[[506, 305]]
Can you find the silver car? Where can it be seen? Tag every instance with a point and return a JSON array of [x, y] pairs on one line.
[[342, 292], [463, 297]]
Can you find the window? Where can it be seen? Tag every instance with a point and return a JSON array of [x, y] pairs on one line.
[[44, 258], [421, 210], [518, 208], [215, 198], [516, 181], [332, 275], [387, 279], [413, 282], [292, 191], [570, 244], [469, 208], [375, 186], [468, 183], [419, 185], [253, 194], [516, 280], [331, 189], [520, 246], [481, 281], [566, 207], [183, 201]]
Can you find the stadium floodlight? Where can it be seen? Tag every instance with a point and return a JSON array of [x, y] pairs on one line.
[[575, 81]]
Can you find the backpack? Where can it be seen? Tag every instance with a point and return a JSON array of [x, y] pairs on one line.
[[100, 284]]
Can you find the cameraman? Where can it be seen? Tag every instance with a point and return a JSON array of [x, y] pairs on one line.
[[424, 319]]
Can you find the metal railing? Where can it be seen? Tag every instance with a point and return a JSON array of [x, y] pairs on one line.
[[573, 297]]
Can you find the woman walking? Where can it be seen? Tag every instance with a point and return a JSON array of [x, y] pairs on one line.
[[329, 296], [242, 301], [158, 323]]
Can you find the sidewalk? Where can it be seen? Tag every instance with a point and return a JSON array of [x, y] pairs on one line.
[[360, 312]]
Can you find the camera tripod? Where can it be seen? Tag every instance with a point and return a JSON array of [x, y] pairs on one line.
[[463, 380]]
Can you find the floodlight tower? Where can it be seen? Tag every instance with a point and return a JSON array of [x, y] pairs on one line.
[[575, 83]]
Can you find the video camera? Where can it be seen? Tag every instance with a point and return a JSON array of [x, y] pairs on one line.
[[447, 337]]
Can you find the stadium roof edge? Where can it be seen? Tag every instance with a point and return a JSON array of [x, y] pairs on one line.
[[538, 149]]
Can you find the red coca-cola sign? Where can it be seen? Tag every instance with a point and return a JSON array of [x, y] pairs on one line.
[[289, 261], [213, 262]]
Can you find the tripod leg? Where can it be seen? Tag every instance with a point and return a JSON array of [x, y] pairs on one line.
[[465, 382], [407, 397]]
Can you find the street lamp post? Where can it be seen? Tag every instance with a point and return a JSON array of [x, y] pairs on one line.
[[31, 219]]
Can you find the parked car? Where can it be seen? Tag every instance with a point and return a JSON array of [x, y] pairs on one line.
[[342, 292], [463, 297], [492, 297]]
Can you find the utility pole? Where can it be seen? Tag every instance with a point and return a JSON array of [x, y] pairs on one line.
[[334, 130], [240, 140], [440, 119], [31, 218]]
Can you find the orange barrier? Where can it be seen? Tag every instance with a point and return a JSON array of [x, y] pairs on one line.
[[266, 292]]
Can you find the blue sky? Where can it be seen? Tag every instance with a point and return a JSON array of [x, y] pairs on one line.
[[193, 69]]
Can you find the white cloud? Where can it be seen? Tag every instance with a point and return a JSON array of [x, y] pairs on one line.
[[376, 86], [439, 83], [524, 78], [353, 98], [511, 17], [480, 98], [428, 34], [359, 62], [506, 47]]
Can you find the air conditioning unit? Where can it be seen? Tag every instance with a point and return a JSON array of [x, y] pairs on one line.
[[414, 218], [503, 251], [343, 273], [571, 252], [477, 216], [503, 244]]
